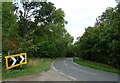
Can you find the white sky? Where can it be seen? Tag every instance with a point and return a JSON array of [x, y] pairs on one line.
[[82, 13]]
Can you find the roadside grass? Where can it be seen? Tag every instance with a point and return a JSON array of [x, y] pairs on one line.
[[34, 66], [96, 65]]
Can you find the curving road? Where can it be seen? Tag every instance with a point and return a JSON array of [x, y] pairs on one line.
[[80, 73]]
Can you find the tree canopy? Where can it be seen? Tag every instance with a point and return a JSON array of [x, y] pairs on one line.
[[37, 28], [101, 43]]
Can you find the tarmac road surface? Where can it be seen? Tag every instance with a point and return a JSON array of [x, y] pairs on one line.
[[81, 73]]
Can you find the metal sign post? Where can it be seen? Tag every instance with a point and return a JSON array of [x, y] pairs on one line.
[[15, 60]]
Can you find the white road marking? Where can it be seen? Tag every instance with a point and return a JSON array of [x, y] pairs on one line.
[[65, 63], [81, 69], [85, 71], [75, 63], [14, 61], [63, 73], [22, 59]]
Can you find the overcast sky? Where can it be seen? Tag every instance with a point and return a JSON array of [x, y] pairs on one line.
[[82, 13]]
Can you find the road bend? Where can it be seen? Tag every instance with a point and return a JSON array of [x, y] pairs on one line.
[[81, 73]]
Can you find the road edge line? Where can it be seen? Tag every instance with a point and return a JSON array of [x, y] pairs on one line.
[[62, 73], [85, 67], [75, 63]]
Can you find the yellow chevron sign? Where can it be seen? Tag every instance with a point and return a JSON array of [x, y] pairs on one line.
[[15, 60]]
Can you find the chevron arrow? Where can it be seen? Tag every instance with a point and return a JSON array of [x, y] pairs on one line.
[[14, 61], [22, 59]]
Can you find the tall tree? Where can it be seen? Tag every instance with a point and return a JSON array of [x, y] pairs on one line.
[[101, 43], [0, 27], [9, 27], [41, 28]]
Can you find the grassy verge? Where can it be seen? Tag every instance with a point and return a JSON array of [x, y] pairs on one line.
[[35, 65], [95, 65]]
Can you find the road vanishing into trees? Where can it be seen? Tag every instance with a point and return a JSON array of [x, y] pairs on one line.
[[80, 73]]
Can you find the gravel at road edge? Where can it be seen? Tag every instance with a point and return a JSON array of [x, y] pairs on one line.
[[50, 75]]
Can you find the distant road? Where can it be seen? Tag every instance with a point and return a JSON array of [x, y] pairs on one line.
[[81, 73]]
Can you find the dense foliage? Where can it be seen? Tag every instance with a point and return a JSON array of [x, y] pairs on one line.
[[101, 43], [36, 28], [0, 28], [9, 27]]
